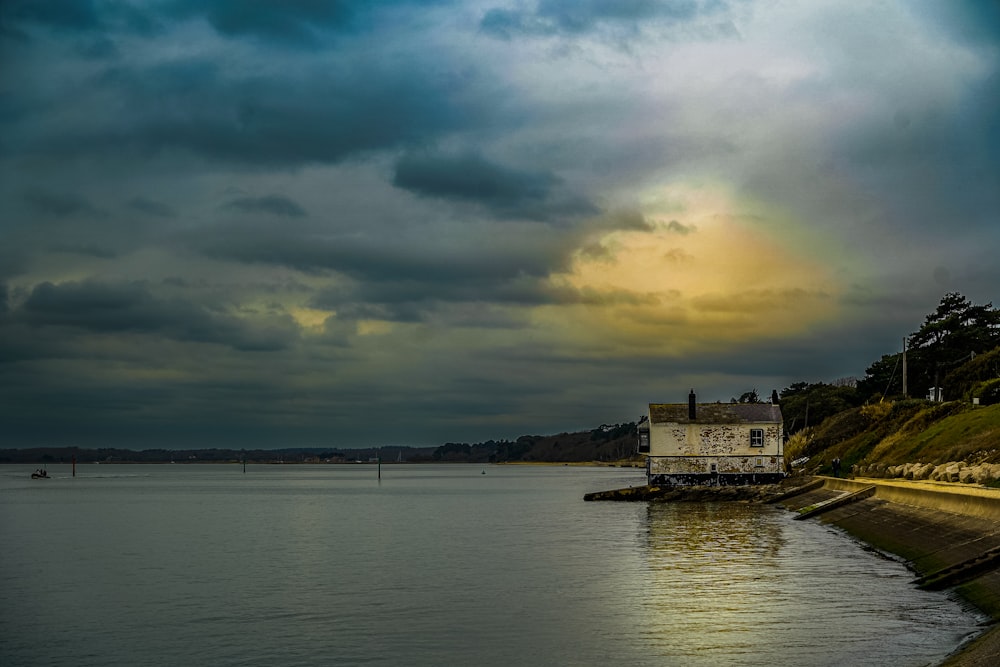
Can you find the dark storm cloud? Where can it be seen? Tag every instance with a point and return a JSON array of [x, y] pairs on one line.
[[971, 21], [416, 300], [104, 308], [180, 178], [273, 204], [292, 22], [470, 176], [680, 228], [398, 281], [551, 17], [631, 220], [12, 262], [85, 249], [80, 17], [378, 260], [466, 297], [195, 106], [151, 207], [931, 167], [64, 14], [61, 205], [503, 190], [581, 15]]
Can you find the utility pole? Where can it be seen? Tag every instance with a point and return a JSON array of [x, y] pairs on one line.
[[904, 368]]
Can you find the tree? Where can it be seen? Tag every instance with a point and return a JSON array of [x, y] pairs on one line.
[[794, 389], [809, 404], [959, 327], [951, 335], [883, 378], [967, 381], [453, 451], [748, 397]]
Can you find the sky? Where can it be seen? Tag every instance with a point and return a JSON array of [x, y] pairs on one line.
[[235, 223]]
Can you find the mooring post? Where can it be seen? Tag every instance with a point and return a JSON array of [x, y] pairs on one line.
[[74, 465]]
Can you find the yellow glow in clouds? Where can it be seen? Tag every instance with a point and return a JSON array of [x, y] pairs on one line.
[[692, 281]]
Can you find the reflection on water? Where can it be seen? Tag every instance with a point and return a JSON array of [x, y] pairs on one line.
[[434, 565], [780, 592]]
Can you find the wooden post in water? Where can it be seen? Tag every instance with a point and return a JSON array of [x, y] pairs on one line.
[[244, 461], [74, 465], [378, 455]]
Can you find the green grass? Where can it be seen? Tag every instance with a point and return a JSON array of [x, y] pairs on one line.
[[907, 432], [975, 432]]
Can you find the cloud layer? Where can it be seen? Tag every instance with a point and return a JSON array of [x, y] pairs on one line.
[[357, 223]]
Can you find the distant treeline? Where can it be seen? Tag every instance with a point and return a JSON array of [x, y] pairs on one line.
[[604, 443], [288, 455], [614, 442]]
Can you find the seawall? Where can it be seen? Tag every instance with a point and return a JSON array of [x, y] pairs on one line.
[[949, 534], [973, 501]]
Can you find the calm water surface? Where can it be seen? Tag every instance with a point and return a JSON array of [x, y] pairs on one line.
[[434, 565]]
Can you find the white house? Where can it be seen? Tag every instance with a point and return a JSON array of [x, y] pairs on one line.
[[713, 443]]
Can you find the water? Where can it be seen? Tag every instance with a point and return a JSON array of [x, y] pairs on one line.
[[434, 565]]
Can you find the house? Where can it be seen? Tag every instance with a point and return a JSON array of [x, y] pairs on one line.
[[712, 443]]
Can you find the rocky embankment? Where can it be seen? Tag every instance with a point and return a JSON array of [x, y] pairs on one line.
[[758, 493], [954, 471]]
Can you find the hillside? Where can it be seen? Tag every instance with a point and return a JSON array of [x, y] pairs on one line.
[[914, 439]]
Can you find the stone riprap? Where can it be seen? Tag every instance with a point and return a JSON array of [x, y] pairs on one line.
[[961, 472]]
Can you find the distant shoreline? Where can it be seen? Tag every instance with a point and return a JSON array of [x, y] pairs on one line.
[[273, 457]]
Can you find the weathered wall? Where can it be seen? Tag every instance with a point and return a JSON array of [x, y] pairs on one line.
[[725, 465], [712, 440]]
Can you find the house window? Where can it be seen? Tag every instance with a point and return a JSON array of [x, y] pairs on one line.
[[756, 437]]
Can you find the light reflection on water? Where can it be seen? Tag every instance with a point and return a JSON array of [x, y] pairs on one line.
[[780, 592], [435, 565]]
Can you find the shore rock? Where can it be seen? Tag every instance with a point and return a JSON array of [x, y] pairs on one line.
[[739, 493], [961, 472]]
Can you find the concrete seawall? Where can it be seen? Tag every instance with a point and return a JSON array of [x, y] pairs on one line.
[[963, 500], [949, 534]]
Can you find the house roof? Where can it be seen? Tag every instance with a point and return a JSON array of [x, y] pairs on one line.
[[715, 413]]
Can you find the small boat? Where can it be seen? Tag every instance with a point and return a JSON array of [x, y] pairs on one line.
[[40, 474]]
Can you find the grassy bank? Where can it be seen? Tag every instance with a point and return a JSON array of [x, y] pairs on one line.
[[876, 440]]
